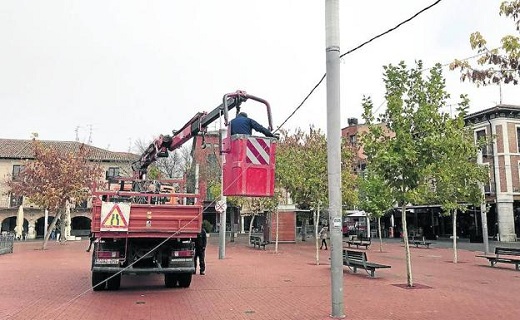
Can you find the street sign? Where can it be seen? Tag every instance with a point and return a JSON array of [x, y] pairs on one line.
[[114, 216], [336, 223], [220, 206]]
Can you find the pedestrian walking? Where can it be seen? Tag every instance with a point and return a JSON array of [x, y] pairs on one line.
[[91, 239], [324, 234], [200, 251]]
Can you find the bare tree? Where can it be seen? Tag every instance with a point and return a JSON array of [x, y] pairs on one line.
[[175, 166]]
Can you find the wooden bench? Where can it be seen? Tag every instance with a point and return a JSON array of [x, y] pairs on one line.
[[363, 242], [505, 255], [257, 241], [415, 242], [418, 243], [358, 259]]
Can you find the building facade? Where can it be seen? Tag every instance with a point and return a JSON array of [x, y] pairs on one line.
[[352, 135], [499, 126], [15, 153]]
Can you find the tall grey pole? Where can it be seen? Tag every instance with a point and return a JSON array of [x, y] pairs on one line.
[[483, 218], [483, 212], [222, 230], [334, 154], [483, 215]]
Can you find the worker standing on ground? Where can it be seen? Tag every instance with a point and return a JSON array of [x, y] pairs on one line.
[[244, 125], [200, 251]]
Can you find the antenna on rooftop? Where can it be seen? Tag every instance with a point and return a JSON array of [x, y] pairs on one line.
[[90, 134], [77, 135], [500, 88]]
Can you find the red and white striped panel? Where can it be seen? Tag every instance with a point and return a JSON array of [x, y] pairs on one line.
[[258, 151]]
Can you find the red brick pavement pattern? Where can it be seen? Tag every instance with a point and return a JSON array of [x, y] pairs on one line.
[[257, 284]]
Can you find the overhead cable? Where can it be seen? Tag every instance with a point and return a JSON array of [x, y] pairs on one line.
[[354, 49]]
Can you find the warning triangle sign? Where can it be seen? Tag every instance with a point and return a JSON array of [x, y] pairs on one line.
[[115, 218]]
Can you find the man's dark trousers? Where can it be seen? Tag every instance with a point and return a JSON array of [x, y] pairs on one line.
[[200, 253]]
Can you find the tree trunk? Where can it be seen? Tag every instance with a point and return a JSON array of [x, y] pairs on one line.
[[68, 221], [380, 234], [49, 229], [409, 277], [454, 217], [62, 227], [316, 238], [251, 226]]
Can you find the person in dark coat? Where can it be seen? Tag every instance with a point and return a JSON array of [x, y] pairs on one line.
[[200, 251], [244, 125], [91, 239]]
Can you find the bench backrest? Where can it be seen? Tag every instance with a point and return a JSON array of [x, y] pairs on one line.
[[356, 255], [507, 251]]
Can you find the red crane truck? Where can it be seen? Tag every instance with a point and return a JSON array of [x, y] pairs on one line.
[[142, 226]]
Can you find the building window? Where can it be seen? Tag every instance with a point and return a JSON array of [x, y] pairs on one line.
[[112, 172], [487, 186], [353, 139], [518, 138], [516, 187], [15, 201], [82, 205], [16, 171], [481, 136]]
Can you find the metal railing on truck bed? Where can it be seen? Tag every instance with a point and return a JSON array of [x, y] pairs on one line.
[[150, 214]]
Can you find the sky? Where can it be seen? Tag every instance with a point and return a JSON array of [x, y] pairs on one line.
[[112, 72]]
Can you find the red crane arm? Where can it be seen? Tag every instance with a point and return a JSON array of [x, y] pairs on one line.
[[199, 123]]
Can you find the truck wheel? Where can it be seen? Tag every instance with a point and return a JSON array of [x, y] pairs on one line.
[[114, 283], [170, 280], [185, 280], [98, 281]]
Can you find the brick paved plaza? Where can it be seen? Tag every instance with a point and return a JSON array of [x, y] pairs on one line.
[[258, 284]]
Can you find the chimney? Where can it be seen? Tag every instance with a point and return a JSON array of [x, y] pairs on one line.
[[352, 122]]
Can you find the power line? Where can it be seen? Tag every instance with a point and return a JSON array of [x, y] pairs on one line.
[[301, 104], [355, 49], [392, 29]]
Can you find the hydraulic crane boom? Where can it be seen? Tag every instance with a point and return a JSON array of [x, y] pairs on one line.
[[199, 123]]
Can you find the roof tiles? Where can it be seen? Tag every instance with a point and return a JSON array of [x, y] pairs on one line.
[[23, 149]]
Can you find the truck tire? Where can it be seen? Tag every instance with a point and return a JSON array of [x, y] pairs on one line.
[[114, 283], [170, 280], [185, 280], [98, 281]]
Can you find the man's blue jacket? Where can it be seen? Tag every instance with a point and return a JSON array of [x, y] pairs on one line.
[[244, 125]]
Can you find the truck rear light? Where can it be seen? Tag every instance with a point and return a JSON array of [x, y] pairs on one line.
[[183, 253], [108, 254]]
